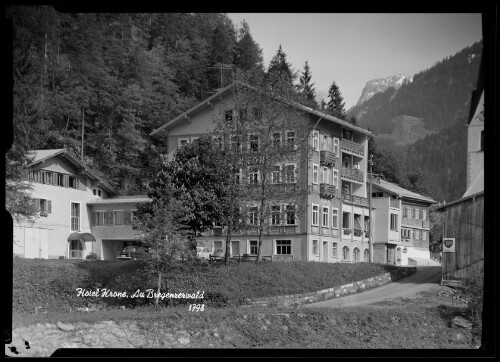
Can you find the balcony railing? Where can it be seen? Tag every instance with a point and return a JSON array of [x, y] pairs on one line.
[[358, 232], [327, 190], [327, 158], [352, 174], [346, 232], [352, 147], [355, 199]]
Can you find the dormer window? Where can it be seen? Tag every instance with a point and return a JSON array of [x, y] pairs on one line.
[[97, 192]]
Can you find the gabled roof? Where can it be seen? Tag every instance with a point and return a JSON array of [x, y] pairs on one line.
[[478, 92], [465, 198], [121, 200], [223, 91], [397, 190], [40, 156]]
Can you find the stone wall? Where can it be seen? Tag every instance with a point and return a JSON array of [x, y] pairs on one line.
[[330, 293]]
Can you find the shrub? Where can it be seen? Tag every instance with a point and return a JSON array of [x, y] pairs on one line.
[[92, 256], [472, 293]]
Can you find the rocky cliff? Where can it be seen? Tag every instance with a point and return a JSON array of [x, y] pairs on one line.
[[380, 85]]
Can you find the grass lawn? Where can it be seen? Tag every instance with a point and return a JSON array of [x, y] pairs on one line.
[[52, 284]]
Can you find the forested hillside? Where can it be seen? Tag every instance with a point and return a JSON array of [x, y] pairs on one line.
[[119, 76], [438, 102], [439, 95]]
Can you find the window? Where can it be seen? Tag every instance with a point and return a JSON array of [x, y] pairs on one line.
[[181, 142], [50, 178], [315, 247], [357, 225], [377, 194], [118, 217], [424, 214], [100, 218], [73, 182], [253, 247], [345, 253], [252, 216], [315, 173], [194, 139], [424, 235], [326, 216], [367, 226], [394, 222], [44, 206], [410, 213], [237, 177], [481, 141], [346, 188], [253, 176], [336, 148], [347, 135], [109, 218], [276, 139], [420, 235], [253, 142], [290, 138], [228, 115], [334, 250], [275, 215], [355, 254], [94, 191], [315, 136], [99, 192], [326, 175], [242, 114], [290, 173], [60, 179], [235, 143], [336, 178], [335, 216], [417, 215], [346, 220], [414, 234], [290, 215], [275, 175], [315, 215], [366, 256], [75, 216], [405, 211], [346, 161], [283, 247]]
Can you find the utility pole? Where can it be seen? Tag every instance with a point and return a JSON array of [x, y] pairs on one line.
[[83, 131], [370, 238]]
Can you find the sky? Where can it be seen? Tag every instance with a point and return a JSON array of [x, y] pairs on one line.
[[352, 49]]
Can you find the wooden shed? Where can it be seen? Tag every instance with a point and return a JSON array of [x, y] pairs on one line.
[[464, 221]]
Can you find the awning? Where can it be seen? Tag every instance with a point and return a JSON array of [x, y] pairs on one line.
[[81, 237]]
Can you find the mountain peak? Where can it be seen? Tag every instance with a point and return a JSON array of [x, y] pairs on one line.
[[380, 85]]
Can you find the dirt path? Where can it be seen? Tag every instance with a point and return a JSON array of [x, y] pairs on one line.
[[425, 278]]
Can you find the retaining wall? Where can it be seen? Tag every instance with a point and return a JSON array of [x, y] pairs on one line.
[[330, 293]]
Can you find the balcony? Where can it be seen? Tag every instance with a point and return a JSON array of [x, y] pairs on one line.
[[352, 174], [358, 232], [353, 148], [327, 190], [327, 158], [357, 200]]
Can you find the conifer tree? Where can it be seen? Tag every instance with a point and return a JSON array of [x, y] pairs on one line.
[[335, 104], [306, 88], [280, 68]]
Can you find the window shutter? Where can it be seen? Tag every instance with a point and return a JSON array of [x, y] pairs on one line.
[[49, 206], [109, 217], [126, 217], [65, 180], [37, 203]]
